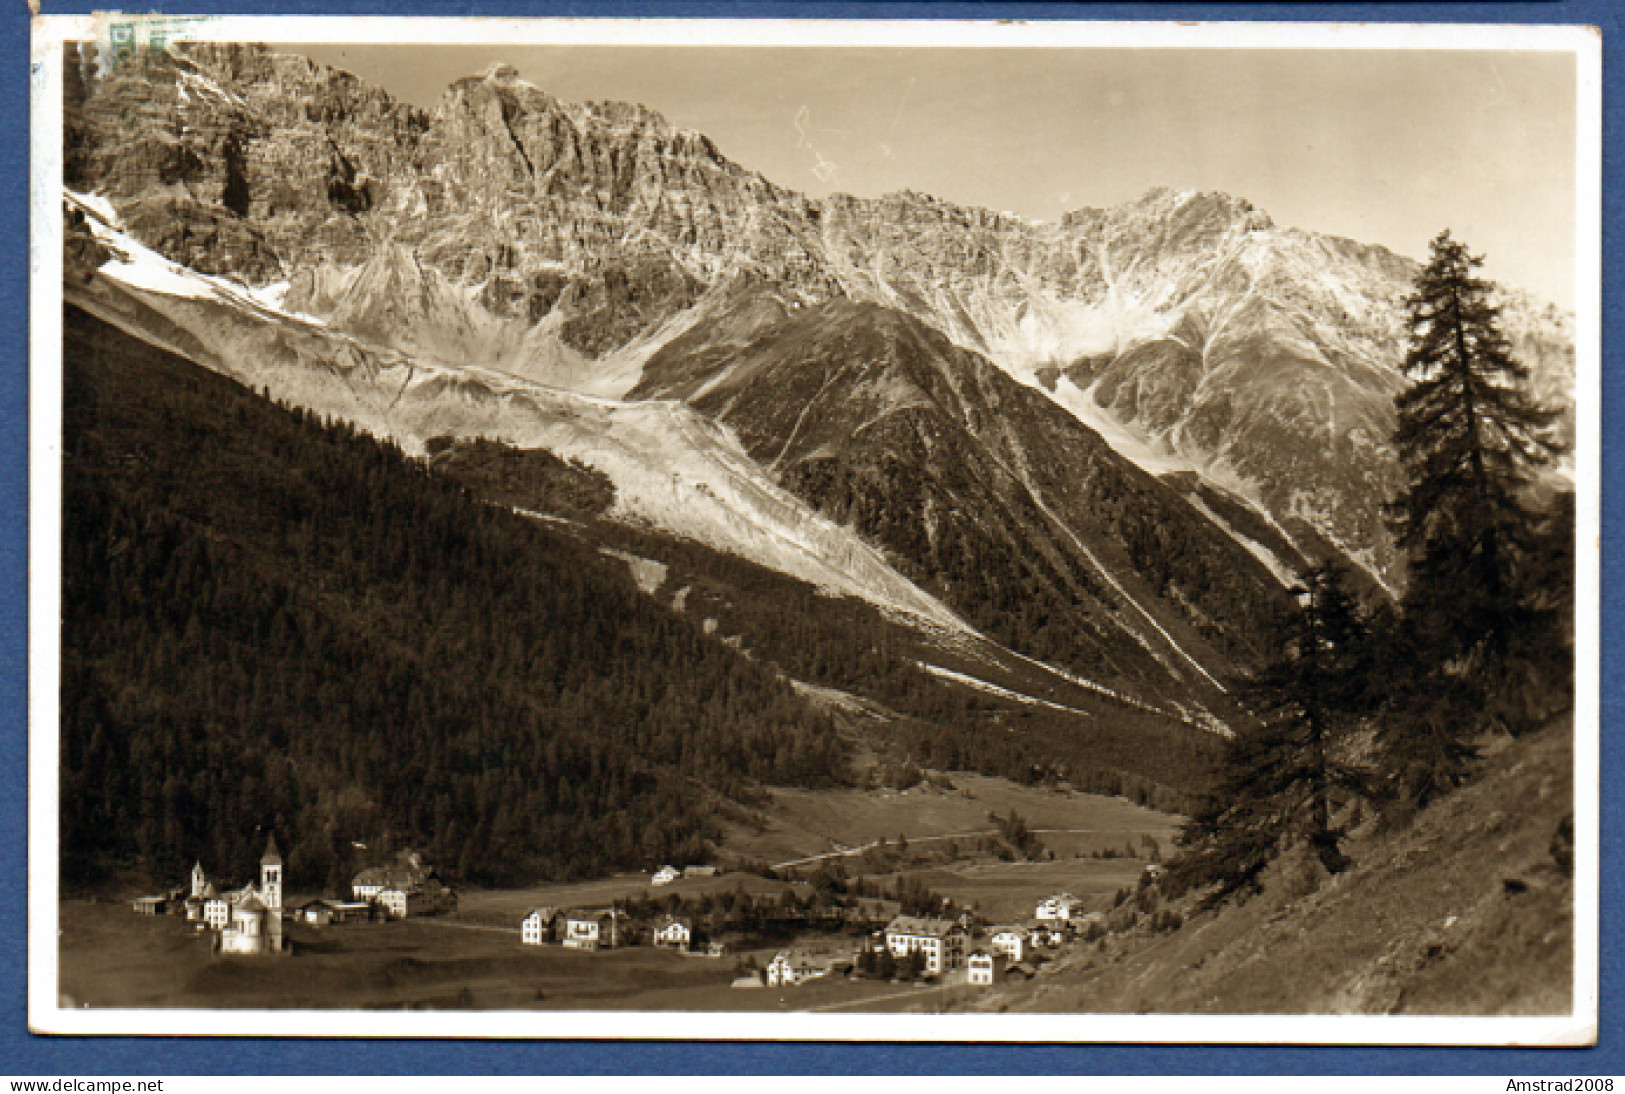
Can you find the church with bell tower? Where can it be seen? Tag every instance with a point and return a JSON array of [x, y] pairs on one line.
[[249, 920]]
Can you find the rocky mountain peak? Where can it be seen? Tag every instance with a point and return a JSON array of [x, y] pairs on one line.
[[1189, 318], [501, 72]]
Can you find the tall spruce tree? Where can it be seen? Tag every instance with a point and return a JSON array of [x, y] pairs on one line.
[[1470, 439], [1282, 772]]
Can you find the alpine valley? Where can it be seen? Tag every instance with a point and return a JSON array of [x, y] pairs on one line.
[[911, 483]]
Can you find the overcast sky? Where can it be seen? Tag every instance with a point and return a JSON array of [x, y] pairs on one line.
[[1387, 147]]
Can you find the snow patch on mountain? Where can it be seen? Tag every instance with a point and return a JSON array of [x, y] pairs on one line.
[[1272, 562], [994, 689], [843, 701], [141, 267], [648, 573], [1080, 403], [672, 469]]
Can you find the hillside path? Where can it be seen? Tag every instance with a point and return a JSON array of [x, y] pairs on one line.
[[926, 839], [914, 993]]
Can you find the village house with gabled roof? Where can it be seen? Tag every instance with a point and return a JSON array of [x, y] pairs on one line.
[[540, 926], [726, 943], [1010, 941], [592, 929], [431, 899], [983, 968], [780, 973], [1048, 933], [940, 941], [324, 912], [217, 913], [404, 888], [673, 932], [407, 874], [787, 969], [1021, 970], [1058, 908]]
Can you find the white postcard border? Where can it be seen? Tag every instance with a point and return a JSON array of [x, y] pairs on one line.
[[45, 492]]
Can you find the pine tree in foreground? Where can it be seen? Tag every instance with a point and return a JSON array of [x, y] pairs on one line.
[[1470, 441], [1281, 775]]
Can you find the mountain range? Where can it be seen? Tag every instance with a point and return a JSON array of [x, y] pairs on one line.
[[1098, 450]]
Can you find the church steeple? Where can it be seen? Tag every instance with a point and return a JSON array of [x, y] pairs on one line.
[[199, 880], [271, 875]]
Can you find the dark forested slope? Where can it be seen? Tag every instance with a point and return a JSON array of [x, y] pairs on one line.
[[273, 622], [982, 490]]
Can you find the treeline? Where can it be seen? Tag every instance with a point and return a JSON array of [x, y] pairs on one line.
[[1385, 708], [272, 622], [1151, 761], [822, 896]]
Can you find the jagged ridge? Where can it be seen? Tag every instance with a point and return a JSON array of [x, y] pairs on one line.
[[1263, 357]]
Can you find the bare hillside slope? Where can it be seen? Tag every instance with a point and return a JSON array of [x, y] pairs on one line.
[[1467, 910]]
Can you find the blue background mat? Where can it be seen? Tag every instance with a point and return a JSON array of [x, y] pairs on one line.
[[23, 1054]]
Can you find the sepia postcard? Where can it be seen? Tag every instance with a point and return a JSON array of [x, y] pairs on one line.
[[815, 530]]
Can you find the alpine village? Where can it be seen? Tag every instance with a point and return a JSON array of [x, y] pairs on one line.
[[517, 558]]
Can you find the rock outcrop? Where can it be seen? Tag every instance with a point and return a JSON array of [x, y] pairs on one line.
[[1188, 327]]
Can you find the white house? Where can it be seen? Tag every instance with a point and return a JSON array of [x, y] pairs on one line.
[[673, 933], [789, 969], [397, 902], [538, 928], [1057, 909], [1012, 942], [942, 941], [403, 893], [1047, 933], [408, 874], [217, 912], [592, 930], [780, 972], [983, 968], [665, 875]]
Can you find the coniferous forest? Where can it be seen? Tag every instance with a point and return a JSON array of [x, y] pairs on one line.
[[1389, 704], [274, 623]]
